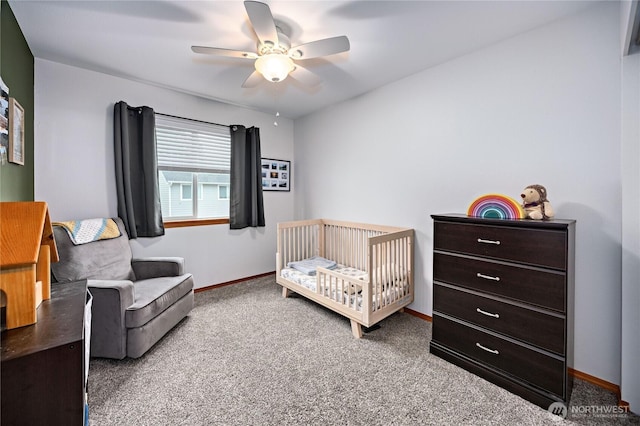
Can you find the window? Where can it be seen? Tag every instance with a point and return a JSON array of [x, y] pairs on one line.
[[193, 155], [223, 192], [185, 192]]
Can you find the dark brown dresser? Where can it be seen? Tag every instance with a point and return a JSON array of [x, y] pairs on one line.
[[503, 302], [45, 365]]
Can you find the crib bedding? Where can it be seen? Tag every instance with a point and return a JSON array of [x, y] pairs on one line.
[[310, 280], [352, 296], [308, 266]]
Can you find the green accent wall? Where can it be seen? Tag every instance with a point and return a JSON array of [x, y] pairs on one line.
[[16, 69]]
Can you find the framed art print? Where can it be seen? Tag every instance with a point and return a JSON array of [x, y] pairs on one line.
[[16, 132], [4, 122], [276, 175]]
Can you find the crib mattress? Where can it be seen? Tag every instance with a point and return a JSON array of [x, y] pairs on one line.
[[354, 299], [310, 281]]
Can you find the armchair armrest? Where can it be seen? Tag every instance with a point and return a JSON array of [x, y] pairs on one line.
[[111, 298], [154, 267]]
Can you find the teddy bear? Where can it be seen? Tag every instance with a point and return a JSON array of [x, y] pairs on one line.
[[535, 203]]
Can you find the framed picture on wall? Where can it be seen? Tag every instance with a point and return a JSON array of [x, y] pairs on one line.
[[4, 122], [276, 175], [16, 132]]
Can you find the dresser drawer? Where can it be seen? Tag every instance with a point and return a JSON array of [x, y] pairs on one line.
[[534, 367], [535, 286], [539, 247], [533, 327]]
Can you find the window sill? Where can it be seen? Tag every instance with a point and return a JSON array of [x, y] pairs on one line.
[[195, 222]]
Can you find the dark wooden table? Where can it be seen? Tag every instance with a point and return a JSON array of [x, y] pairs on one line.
[[43, 365]]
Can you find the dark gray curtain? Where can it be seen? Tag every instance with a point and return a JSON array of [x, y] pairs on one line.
[[137, 170], [245, 202]]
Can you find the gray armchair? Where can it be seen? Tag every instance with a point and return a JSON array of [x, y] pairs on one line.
[[135, 301]]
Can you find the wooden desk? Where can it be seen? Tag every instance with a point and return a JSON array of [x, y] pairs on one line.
[[43, 369]]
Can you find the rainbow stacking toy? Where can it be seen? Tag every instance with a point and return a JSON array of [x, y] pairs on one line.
[[496, 206]]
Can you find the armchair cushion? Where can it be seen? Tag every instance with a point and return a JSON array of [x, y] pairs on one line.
[[155, 295], [103, 259]]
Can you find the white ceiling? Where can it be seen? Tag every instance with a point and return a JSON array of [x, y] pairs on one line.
[[150, 41]]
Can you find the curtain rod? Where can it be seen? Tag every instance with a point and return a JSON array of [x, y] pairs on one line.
[[191, 119]]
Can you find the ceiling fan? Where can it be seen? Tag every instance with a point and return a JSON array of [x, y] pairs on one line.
[[275, 58]]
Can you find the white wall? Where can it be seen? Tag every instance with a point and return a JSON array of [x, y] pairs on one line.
[[630, 373], [75, 166], [542, 107]]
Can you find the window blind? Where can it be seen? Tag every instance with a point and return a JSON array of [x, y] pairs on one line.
[[184, 144]]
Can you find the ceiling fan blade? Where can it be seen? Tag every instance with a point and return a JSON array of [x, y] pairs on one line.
[[262, 22], [324, 47], [253, 80], [223, 52], [305, 76]]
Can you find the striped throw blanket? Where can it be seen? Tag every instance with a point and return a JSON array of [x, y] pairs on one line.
[[88, 230]]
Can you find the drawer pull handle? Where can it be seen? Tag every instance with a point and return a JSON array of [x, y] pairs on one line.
[[487, 277], [493, 351], [489, 314], [496, 242]]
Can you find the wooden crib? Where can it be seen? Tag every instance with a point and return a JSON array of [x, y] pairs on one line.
[[374, 276]]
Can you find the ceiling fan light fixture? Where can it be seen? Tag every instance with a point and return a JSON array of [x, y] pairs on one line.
[[274, 67], [274, 57]]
